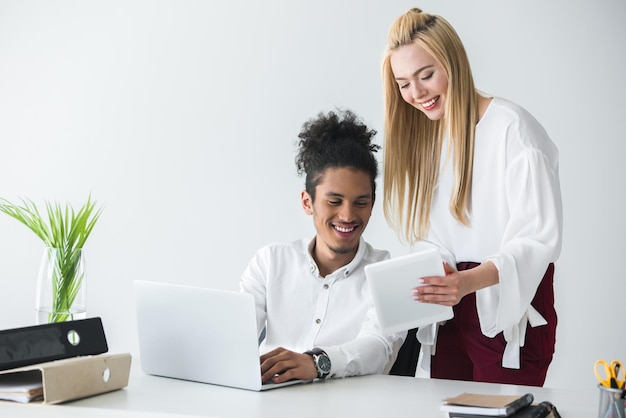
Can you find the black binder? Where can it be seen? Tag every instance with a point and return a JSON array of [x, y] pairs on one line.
[[41, 343]]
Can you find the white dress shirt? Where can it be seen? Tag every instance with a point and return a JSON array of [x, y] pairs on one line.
[[301, 310], [516, 220]]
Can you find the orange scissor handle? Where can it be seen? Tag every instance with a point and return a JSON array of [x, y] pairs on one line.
[[619, 374], [610, 375], [603, 373]]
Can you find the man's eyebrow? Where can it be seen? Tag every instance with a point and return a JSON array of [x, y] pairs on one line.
[[335, 194], [419, 70]]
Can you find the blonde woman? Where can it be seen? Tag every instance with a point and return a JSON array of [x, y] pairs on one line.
[[476, 176]]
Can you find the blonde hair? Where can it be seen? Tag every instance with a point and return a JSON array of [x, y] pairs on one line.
[[412, 142]]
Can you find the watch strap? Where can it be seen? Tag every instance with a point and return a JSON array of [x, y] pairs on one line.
[[316, 353]]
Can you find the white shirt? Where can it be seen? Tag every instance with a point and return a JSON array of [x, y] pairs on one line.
[[301, 310], [516, 220]]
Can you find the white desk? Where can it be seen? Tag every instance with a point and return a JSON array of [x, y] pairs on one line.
[[367, 396]]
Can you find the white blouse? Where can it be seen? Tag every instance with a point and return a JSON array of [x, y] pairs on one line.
[[516, 221]]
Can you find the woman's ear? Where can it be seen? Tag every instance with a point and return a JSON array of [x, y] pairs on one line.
[[307, 202]]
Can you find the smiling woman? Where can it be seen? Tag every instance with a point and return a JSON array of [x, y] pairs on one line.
[[422, 80], [477, 177]]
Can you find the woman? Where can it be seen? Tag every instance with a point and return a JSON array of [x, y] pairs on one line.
[[476, 176]]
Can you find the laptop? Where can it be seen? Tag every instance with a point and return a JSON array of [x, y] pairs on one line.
[[199, 334], [391, 282]]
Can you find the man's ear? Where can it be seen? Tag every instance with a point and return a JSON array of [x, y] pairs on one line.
[[307, 202]]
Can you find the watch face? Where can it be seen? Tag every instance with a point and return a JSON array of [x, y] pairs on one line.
[[324, 363]]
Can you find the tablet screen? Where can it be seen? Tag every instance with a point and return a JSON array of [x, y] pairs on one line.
[[391, 282]]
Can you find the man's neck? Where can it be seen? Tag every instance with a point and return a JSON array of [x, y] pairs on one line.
[[329, 261]]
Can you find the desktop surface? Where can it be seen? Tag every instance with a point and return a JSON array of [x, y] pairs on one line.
[[365, 396]]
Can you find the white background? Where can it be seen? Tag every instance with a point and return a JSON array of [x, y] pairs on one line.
[[181, 118]]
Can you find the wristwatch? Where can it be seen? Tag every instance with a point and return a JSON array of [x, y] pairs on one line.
[[322, 362]]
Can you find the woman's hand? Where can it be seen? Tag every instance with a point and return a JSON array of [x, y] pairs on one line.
[[448, 290]]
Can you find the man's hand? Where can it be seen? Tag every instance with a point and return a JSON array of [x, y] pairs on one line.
[[281, 365]]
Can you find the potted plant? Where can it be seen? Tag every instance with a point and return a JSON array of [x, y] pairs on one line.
[[61, 283]]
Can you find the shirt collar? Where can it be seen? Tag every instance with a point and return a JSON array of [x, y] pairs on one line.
[[343, 271]]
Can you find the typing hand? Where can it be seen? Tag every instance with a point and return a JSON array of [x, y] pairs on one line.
[[281, 365]]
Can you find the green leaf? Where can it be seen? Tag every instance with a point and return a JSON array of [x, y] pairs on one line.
[[66, 231]]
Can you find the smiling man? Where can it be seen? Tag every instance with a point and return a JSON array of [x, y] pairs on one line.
[[312, 297]]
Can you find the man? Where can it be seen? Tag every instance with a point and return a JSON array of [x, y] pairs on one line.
[[311, 296]]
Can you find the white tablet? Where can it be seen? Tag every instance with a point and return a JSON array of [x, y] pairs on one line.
[[391, 282]]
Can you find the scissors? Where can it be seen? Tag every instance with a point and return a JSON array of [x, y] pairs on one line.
[[610, 375]]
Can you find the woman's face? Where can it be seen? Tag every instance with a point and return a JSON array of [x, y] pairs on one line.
[[422, 80]]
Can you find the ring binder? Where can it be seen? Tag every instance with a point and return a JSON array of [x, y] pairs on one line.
[[66, 380], [41, 343]]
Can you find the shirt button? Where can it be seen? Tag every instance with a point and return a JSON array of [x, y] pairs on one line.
[[326, 286], [318, 321]]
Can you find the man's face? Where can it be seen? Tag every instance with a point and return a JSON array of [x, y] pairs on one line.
[[342, 208]]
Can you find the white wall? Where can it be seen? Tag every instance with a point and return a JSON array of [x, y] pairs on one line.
[[181, 118]]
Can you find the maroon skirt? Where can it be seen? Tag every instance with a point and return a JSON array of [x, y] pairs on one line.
[[464, 353]]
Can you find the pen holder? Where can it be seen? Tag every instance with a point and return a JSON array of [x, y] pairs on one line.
[[611, 403]]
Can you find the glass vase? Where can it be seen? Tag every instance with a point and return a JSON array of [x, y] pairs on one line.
[[61, 286]]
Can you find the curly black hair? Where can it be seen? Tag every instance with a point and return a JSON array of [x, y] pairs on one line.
[[335, 140]]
